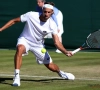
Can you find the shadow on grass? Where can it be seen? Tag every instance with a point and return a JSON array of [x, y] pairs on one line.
[[42, 80], [4, 80]]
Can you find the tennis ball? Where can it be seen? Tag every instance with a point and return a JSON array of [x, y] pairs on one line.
[[43, 50]]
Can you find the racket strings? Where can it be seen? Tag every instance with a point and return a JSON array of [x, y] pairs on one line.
[[93, 40]]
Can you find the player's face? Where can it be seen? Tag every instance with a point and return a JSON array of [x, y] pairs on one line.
[[47, 13], [40, 3]]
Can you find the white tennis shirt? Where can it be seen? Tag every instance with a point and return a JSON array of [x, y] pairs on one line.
[[35, 30]]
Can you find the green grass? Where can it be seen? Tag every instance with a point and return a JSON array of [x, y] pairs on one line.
[[84, 65]]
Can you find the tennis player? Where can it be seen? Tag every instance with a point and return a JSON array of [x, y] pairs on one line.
[[36, 28], [57, 17]]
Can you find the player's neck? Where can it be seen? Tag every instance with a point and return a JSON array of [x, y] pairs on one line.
[[42, 18]]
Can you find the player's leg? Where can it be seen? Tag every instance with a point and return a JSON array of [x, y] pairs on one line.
[[17, 63], [53, 67], [44, 58], [21, 48], [18, 56]]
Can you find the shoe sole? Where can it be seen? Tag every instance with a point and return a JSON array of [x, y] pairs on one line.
[[15, 84]]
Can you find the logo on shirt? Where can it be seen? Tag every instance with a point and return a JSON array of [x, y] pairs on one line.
[[44, 32]]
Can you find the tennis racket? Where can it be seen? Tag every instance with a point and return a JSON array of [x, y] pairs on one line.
[[92, 42]]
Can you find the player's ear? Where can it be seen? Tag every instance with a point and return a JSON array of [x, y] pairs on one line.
[[52, 11]]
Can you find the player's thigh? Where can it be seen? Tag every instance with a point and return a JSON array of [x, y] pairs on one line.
[[41, 58], [22, 45]]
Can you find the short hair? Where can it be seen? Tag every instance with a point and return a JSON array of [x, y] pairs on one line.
[[51, 3], [43, 1]]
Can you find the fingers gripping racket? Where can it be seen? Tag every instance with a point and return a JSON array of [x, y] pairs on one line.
[[92, 41]]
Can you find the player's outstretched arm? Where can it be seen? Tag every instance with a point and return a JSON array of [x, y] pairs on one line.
[[60, 46], [10, 23]]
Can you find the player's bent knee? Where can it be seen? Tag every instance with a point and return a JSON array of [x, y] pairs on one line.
[[20, 49]]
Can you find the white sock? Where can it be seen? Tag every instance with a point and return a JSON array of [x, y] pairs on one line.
[[60, 73], [17, 73]]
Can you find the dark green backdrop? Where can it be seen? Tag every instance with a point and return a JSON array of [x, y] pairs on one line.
[[80, 18]]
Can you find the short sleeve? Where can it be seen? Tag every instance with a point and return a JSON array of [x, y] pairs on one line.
[[55, 30], [53, 27], [24, 17]]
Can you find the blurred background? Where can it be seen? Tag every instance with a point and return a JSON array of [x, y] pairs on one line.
[[81, 17]]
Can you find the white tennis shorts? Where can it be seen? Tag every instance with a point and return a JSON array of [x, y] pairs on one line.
[[41, 58]]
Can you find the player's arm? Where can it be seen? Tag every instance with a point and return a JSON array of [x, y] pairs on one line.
[[10, 23], [59, 45]]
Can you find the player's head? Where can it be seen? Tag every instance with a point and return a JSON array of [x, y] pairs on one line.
[[47, 11], [40, 3], [51, 3]]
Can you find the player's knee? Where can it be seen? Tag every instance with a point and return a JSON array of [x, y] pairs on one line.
[[20, 49]]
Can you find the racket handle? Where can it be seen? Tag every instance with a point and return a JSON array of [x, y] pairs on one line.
[[76, 50]]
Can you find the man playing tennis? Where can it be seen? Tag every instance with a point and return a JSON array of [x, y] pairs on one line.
[[57, 16], [36, 28]]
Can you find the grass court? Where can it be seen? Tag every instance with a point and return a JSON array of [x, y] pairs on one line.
[[84, 65]]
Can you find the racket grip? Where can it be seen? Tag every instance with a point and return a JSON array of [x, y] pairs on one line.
[[76, 50]]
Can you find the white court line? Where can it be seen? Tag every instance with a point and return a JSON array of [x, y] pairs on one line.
[[29, 76]]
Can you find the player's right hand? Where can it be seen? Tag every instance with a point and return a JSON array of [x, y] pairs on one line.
[[69, 54]]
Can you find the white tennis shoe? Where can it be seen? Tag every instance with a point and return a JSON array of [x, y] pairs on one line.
[[67, 76], [16, 82], [58, 51]]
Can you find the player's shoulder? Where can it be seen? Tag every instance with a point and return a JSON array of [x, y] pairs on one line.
[[33, 13], [52, 22]]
